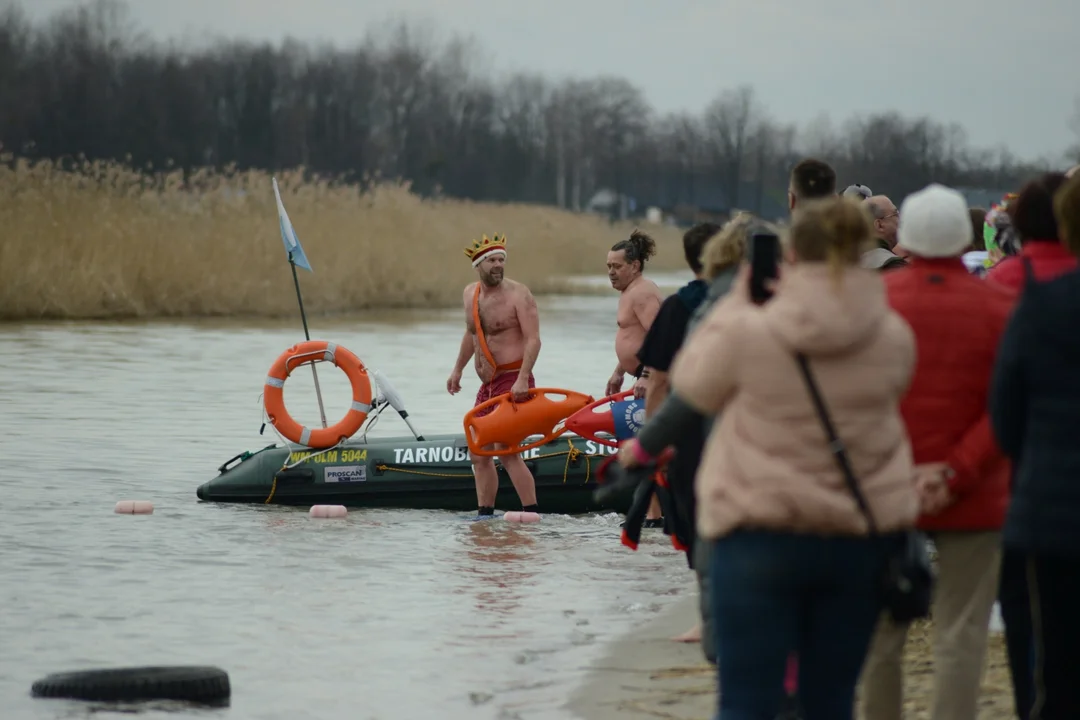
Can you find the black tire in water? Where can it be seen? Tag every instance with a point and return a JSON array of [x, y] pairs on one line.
[[208, 685]]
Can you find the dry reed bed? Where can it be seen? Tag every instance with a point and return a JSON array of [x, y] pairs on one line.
[[105, 241]]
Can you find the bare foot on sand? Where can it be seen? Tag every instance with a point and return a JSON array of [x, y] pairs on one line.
[[692, 635]]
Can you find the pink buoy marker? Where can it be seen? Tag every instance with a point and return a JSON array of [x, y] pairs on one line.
[[328, 511], [521, 516], [134, 507]]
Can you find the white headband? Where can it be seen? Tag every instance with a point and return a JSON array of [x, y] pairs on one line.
[[485, 255]]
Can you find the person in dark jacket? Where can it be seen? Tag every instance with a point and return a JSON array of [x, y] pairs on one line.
[[665, 335], [662, 341], [1035, 410], [721, 259], [1030, 224]]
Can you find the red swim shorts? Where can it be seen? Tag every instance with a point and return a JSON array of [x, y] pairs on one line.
[[499, 385]]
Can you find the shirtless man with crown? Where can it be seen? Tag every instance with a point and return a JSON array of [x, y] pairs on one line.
[[505, 348]]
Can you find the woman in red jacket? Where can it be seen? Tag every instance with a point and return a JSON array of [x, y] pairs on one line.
[[1032, 215], [962, 476]]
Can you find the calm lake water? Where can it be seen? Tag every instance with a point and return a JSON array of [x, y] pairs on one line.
[[386, 614]]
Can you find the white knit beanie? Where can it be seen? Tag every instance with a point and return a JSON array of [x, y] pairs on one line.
[[934, 223]]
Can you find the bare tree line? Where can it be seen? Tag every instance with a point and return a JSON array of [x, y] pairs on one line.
[[86, 83]]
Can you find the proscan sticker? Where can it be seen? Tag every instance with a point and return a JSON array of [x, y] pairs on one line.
[[346, 473]]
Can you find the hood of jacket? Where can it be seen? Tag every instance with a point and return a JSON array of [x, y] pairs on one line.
[[819, 314]]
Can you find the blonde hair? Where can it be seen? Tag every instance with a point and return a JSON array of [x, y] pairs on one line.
[[1067, 213], [836, 231], [727, 248]]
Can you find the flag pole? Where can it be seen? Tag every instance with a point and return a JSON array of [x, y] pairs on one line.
[[296, 253], [307, 336]]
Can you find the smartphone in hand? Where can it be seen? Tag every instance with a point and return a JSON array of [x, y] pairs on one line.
[[764, 253]]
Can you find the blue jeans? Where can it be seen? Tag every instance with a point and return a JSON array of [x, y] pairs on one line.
[[776, 592]]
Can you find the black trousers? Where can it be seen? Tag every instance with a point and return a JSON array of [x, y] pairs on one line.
[[1016, 615], [681, 473], [680, 476], [1054, 589]]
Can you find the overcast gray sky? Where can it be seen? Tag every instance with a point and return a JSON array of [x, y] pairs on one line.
[[1009, 72]]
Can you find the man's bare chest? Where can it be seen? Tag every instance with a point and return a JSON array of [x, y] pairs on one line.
[[625, 316], [496, 316]]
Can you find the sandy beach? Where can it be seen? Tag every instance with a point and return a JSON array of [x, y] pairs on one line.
[[645, 675]]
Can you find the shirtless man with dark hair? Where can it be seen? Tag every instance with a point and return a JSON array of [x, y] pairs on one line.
[[639, 301], [506, 348]]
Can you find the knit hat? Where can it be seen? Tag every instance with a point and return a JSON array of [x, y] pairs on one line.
[[858, 191], [934, 223]]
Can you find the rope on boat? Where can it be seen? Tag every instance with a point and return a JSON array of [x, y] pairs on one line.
[[373, 418], [572, 454]]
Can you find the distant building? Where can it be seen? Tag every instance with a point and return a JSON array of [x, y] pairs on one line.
[[693, 200], [982, 197], [700, 201]]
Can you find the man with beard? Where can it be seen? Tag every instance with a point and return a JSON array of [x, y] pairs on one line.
[[502, 330]]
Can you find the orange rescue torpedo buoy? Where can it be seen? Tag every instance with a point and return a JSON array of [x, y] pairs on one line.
[[274, 400], [508, 423], [593, 419]]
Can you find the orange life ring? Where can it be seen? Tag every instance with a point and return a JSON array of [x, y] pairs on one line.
[[274, 398]]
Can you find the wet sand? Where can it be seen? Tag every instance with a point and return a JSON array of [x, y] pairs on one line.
[[647, 676]]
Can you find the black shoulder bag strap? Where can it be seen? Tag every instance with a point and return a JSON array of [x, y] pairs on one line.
[[835, 444], [907, 581]]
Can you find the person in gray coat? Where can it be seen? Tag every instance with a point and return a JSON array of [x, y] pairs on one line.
[[720, 259]]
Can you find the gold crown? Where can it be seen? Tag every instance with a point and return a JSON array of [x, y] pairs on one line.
[[485, 245]]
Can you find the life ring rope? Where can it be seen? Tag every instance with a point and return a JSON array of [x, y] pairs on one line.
[[328, 355]]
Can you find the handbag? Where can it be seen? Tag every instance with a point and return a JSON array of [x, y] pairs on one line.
[[907, 580]]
